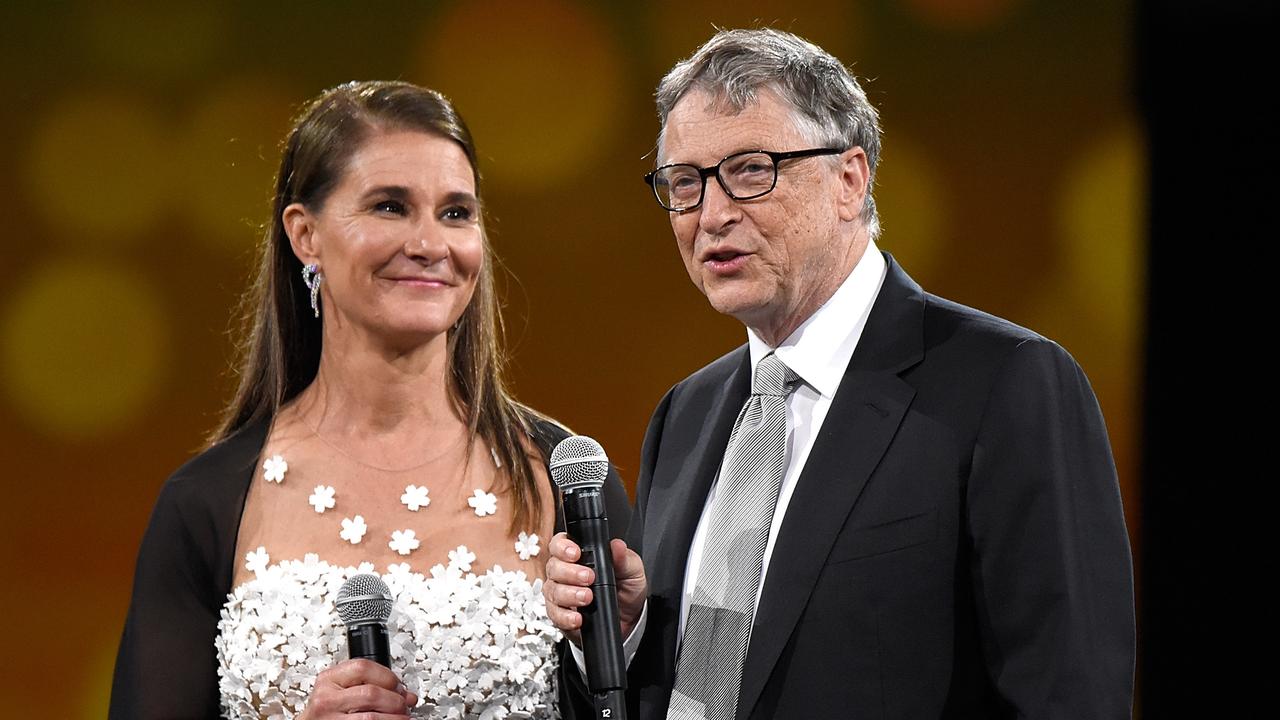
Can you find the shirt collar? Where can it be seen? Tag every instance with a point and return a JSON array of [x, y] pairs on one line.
[[820, 349]]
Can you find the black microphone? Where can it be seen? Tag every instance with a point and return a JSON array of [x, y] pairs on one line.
[[579, 467], [364, 604]]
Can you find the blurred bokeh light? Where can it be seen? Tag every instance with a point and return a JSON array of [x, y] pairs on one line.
[[540, 82], [99, 168], [140, 141], [85, 348]]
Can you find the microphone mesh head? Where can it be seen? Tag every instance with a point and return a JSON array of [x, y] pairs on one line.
[[363, 599], [578, 462]]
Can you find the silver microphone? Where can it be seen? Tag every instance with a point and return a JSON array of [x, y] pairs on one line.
[[364, 604]]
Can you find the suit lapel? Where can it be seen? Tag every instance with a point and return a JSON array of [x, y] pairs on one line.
[[864, 416]]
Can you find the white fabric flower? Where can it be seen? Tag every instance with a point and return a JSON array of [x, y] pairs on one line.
[[527, 545], [470, 646], [256, 561], [485, 503], [322, 498], [404, 542], [415, 497], [274, 468], [461, 558], [353, 529]]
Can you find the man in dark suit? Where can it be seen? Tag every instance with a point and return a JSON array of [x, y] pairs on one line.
[[885, 504]]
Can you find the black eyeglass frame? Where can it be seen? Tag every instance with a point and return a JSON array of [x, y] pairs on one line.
[[706, 172]]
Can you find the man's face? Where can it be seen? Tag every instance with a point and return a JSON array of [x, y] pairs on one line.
[[772, 261]]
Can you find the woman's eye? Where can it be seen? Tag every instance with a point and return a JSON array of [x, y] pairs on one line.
[[457, 212], [395, 207]]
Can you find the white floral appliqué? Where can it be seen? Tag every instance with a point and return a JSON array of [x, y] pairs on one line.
[[321, 498], [256, 560], [471, 646], [461, 558], [415, 497], [527, 545], [353, 529], [404, 542], [274, 468], [485, 503]]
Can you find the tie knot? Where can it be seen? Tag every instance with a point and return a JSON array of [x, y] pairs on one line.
[[772, 377]]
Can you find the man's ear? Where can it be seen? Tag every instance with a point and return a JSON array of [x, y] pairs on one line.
[[854, 177], [299, 225]]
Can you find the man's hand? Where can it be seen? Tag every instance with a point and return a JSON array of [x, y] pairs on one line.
[[568, 585]]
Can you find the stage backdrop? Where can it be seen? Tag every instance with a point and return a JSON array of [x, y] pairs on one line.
[[139, 144]]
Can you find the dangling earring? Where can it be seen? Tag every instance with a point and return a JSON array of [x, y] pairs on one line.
[[311, 277]]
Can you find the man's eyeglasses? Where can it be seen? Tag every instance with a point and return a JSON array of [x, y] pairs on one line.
[[744, 176]]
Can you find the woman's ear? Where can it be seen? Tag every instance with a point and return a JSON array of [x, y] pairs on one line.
[[299, 225]]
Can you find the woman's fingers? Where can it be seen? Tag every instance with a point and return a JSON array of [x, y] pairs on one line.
[[359, 671], [361, 687]]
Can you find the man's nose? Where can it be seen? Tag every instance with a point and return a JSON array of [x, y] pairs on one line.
[[719, 211]]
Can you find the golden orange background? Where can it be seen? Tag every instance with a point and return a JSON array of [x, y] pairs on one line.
[[139, 143]]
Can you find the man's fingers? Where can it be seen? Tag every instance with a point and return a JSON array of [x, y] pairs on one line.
[[568, 573], [565, 619], [565, 549], [626, 563], [562, 616], [567, 596]]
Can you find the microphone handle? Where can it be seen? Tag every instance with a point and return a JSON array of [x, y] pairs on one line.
[[370, 641], [601, 624], [610, 705]]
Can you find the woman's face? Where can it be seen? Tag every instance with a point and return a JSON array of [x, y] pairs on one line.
[[398, 239]]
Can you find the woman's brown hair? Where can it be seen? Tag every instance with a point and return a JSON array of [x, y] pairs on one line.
[[280, 338]]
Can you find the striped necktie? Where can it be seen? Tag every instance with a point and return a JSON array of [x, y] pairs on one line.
[[718, 627]]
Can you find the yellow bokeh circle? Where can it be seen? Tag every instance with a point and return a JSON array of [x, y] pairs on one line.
[[913, 200], [1101, 216], [678, 27], [231, 151], [540, 84], [83, 347], [99, 168]]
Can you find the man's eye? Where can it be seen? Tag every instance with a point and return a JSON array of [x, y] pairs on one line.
[[395, 207], [685, 185], [750, 168]]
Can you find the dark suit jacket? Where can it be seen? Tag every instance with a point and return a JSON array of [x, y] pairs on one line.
[[955, 546]]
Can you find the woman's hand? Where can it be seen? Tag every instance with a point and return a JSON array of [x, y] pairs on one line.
[[360, 687], [568, 585]]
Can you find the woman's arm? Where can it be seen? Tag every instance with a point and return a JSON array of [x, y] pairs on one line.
[[167, 667]]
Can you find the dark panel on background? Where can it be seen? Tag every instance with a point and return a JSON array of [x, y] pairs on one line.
[[1203, 79]]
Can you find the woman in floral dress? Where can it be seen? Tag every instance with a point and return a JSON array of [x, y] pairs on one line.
[[371, 432]]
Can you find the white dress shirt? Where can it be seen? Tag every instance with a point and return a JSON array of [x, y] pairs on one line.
[[819, 352]]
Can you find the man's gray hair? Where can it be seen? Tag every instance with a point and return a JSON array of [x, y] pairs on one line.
[[830, 106]]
